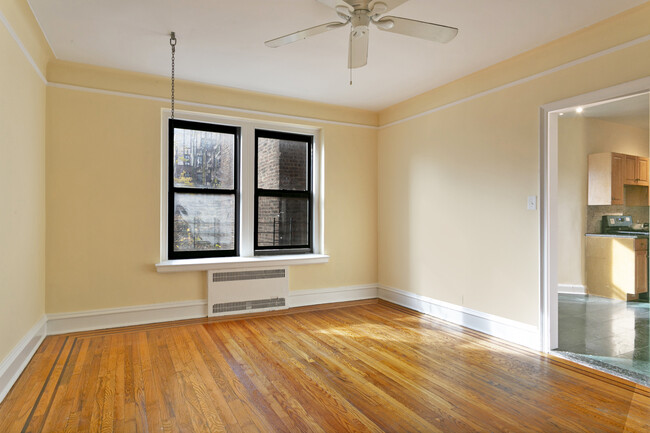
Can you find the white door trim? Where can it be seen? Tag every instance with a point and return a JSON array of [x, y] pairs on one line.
[[549, 114]]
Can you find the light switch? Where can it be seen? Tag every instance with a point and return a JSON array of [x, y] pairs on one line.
[[532, 202]]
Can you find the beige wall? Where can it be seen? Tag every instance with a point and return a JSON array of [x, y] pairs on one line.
[[577, 138], [572, 200], [103, 195], [22, 189], [389, 194], [477, 161]]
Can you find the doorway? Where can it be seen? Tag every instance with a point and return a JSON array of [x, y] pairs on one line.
[[592, 308]]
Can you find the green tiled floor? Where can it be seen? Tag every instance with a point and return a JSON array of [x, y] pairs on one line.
[[607, 334]]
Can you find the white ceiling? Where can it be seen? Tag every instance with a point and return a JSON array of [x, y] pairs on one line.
[[632, 111], [222, 42]]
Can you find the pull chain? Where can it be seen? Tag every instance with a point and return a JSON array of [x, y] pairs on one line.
[[350, 76], [172, 42]]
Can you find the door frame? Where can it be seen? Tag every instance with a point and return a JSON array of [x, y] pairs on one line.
[[549, 114]]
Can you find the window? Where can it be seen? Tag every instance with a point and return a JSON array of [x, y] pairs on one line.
[[203, 190], [239, 188], [283, 196]]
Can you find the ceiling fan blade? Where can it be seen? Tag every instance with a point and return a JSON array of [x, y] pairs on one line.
[[358, 53], [389, 5], [417, 29], [303, 34]]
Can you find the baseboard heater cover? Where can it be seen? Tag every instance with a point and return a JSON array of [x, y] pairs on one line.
[[241, 291], [248, 305]]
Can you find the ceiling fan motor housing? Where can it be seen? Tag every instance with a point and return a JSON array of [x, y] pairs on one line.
[[358, 4], [360, 22]]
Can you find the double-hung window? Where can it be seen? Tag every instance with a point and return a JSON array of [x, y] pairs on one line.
[[203, 201], [283, 192], [239, 188]]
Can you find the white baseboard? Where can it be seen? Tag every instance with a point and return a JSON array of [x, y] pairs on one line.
[[578, 289], [61, 323], [13, 365], [301, 298], [510, 330], [496, 326]]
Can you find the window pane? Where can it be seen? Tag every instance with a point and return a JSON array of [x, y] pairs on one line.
[[282, 164], [282, 221], [204, 159], [204, 222]]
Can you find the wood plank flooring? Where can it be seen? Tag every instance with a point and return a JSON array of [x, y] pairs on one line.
[[367, 367]]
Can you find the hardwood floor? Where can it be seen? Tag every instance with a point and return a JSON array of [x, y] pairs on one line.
[[367, 367]]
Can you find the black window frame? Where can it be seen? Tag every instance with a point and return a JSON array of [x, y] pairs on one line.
[[172, 189], [308, 194]]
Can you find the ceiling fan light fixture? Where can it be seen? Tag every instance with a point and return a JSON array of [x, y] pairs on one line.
[[359, 31]]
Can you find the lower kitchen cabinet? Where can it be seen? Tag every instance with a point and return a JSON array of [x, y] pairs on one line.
[[616, 266]]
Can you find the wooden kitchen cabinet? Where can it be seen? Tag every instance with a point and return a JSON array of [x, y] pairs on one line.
[[643, 171], [630, 169], [606, 178], [610, 173], [616, 267], [636, 170]]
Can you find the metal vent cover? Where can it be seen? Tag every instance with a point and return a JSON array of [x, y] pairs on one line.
[[218, 277], [248, 305]]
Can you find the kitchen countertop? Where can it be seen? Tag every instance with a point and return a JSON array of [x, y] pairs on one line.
[[605, 235]]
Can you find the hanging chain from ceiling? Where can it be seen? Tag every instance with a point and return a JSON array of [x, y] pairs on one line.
[[172, 42]]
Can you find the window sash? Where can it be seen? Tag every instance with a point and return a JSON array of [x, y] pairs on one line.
[[283, 193], [172, 190]]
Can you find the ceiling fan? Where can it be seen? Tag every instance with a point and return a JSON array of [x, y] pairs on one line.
[[359, 14]]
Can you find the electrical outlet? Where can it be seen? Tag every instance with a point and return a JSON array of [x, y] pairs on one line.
[[532, 202]]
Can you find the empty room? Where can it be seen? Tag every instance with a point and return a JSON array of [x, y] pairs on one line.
[[324, 216]]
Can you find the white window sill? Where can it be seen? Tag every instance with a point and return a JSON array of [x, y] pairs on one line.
[[239, 262]]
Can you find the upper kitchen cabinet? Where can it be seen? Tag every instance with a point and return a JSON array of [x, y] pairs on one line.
[[610, 173], [636, 170], [643, 171], [606, 177]]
